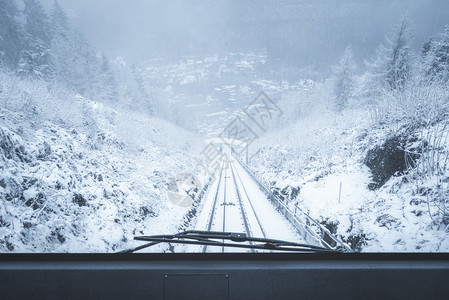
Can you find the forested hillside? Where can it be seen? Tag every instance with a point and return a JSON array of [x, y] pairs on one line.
[[84, 162], [369, 153]]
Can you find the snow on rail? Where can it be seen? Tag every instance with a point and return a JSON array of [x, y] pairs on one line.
[[312, 232], [235, 203]]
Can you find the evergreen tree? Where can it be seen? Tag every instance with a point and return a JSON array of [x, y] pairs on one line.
[[37, 23], [144, 100], [107, 83], [35, 58], [426, 48], [74, 61], [61, 46], [86, 67], [59, 19], [399, 63], [391, 68], [11, 35], [436, 62], [344, 83]]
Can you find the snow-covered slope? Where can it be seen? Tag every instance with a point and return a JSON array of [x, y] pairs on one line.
[[69, 188], [320, 161]]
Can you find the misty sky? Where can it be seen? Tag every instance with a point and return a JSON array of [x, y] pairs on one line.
[[303, 32]]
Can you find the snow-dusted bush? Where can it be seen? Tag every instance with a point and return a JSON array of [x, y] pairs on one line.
[[428, 161]]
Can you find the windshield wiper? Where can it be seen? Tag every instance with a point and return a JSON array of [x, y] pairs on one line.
[[226, 239]]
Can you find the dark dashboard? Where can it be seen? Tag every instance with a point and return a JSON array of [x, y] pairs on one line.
[[224, 276]]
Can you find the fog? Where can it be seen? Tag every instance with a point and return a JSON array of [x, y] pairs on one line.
[[296, 32]]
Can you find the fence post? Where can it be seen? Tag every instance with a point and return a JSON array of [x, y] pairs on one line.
[[339, 194]]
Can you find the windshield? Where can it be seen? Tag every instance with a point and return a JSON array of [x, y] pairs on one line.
[[197, 126]]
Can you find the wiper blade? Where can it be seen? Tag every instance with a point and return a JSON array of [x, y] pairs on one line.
[[227, 239]]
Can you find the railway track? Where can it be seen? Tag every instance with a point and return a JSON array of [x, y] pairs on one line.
[[236, 204]]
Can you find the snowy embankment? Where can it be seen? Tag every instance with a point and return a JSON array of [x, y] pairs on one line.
[[89, 183], [377, 209]]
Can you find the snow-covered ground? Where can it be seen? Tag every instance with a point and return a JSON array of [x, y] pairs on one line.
[[319, 162], [65, 189]]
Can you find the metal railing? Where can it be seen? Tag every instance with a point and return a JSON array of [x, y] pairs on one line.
[[312, 231]]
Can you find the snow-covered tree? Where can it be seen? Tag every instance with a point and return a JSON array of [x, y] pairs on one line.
[[426, 48], [344, 83], [391, 67], [35, 57], [86, 66], [106, 83], [59, 19], [61, 45], [145, 98], [11, 35], [399, 61], [436, 59], [127, 89], [37, 23], [74, 62]]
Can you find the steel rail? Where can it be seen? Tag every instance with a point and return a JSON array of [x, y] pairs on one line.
[[242, 210], [224, 207], [211, 219], [251, 205]]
